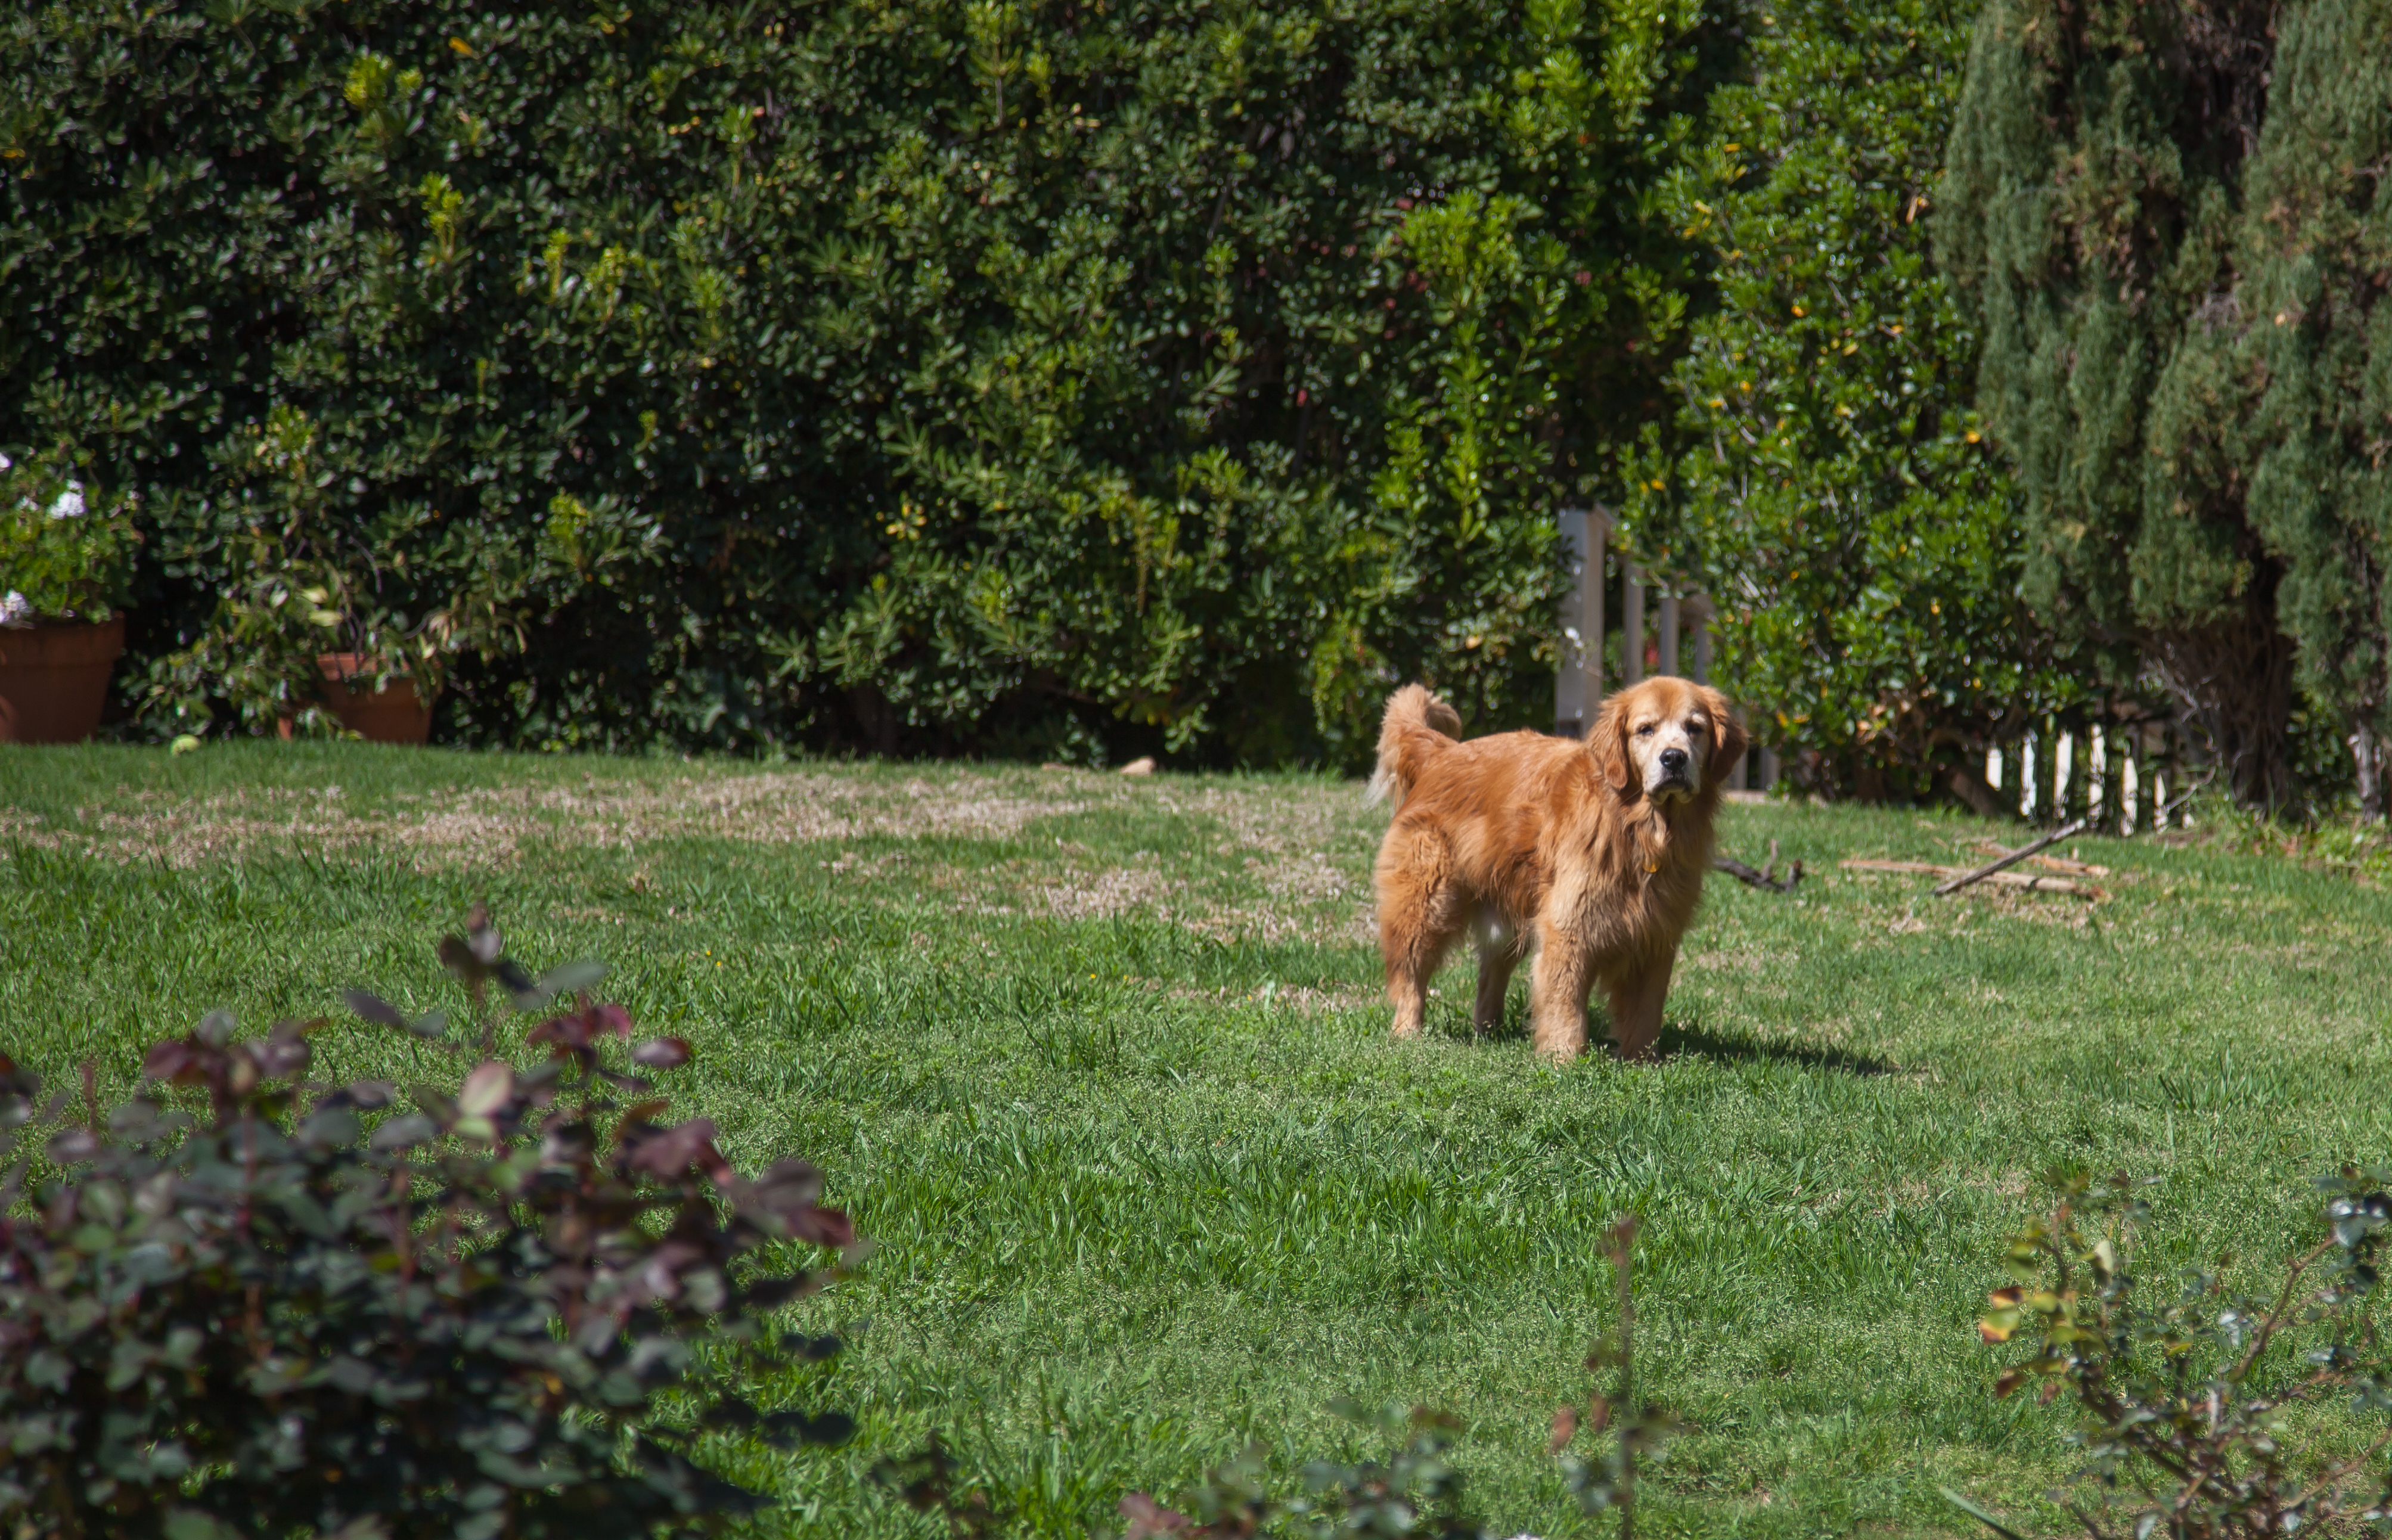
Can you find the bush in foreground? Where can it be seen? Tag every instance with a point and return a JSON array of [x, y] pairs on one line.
[[238, 1310], [2205, 1415]]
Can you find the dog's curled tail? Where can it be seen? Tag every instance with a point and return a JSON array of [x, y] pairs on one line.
[[1416, 727]]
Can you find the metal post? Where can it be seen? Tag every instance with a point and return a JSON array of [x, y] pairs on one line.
[[1577, 676], [1598, 586], [1695, 614], [1577, 643], [1631, 625]]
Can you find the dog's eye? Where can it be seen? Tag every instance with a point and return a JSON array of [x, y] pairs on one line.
[[1647, 730]]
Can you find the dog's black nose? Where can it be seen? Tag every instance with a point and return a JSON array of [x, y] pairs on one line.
[[1673, 761]]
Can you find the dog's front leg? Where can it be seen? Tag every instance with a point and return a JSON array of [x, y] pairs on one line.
[[1637, 1002], [1557, 989]]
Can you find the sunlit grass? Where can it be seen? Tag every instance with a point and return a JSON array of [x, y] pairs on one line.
[[1100, 1067]]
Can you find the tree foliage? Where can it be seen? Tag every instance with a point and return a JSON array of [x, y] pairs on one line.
[[1824, 477], [725, 373], [2167, 219]]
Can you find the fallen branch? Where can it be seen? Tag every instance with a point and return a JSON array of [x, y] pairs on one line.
[[1765, 879], [2030, 881], [2076, 826], [2063, 865]]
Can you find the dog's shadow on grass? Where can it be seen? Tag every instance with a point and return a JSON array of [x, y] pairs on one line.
[[1692, 1039], [1677, 1038], [1452, 1021]]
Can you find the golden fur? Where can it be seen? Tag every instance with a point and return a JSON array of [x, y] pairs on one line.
[[1592, 852]]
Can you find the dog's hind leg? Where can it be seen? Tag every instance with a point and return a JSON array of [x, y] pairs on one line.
[[1414, 947], [1418, 919], [1498, 953]]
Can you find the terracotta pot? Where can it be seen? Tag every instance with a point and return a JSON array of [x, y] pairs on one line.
[[54, 678], [394, 714]]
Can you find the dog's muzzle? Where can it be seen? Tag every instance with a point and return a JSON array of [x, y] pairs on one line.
[[1677, 774]]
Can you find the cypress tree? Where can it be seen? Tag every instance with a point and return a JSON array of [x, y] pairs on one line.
[[2315, 345], [2093, 204]]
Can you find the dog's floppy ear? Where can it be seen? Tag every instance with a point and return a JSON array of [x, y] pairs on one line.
[[1727, 735], [1609, 743]]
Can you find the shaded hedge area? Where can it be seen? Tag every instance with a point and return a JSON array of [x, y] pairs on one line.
[[1063, 379], [2168, 223]]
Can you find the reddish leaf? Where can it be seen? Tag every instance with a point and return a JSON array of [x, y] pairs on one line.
[[1148, 1518], [276, 1060], [824, 1227], [643, 1112], [487, 1089], [72, 1146], [670, 1151], [570, 1032], [373, 1007], [662, 1054], [788, 1187]]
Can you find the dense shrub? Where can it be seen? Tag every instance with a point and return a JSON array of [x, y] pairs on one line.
[[2199, 1408], [235, 1310], [734, 373], [1824, 476]]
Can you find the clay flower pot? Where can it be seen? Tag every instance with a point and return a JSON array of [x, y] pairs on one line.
[[393, 715], [54, 678]]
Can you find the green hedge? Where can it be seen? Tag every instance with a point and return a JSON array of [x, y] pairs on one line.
[[1062, 379], [1824, 476]]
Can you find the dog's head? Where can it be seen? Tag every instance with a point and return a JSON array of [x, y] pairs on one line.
[[1665, 739]]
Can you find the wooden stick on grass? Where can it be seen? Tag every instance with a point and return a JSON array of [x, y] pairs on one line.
[[1946, 889], [1766, 878]]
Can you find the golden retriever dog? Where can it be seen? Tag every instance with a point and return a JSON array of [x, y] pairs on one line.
[[1592, 852]]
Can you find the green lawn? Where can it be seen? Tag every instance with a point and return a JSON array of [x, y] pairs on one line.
[[1101, 1067]]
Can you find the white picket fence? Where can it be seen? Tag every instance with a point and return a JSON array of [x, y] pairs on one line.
[[2123, 780], [2120, 777]]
